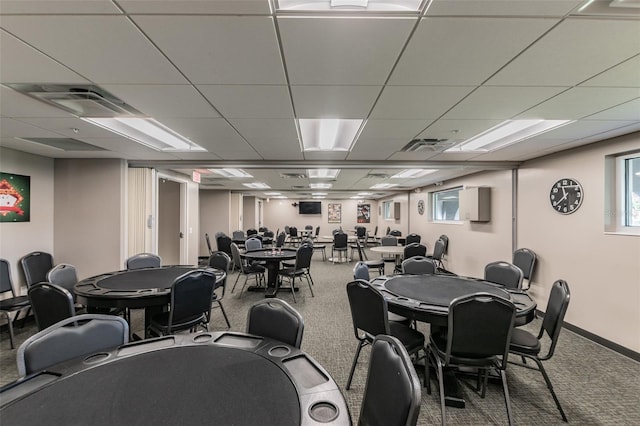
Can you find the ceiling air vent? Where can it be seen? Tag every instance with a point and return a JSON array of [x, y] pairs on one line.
[[376, 176], [293, 175], [64, 144], [426, 145]]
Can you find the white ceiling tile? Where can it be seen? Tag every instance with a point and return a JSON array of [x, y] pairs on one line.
[[20, 63], [15, 104], [574, 51], [334, 101], [546, 8], [249, 101], [629, 111], [457, 130], [627, 74], [580, 102], [417, 102], [196, 6], [464, 51], [393, 129], [255, 130], [500, 103], [58, 6], [103, 49], [12, 128], [221, 49], [159, 101], [65, 126], [375, 148], [279, 149], [337, 51]]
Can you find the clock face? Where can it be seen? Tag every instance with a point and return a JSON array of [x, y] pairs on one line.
[[566, 196], [420, 206]]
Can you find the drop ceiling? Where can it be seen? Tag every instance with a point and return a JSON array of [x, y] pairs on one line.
[[233, 77]]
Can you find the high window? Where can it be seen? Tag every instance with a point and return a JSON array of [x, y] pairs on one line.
[[445, 205]]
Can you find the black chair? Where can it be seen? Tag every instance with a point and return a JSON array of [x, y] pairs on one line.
[[529, 346], [373, 238], [35, 266], [10, 303], [190, 305], [294, 238], [369, 315], [412, 238], [267, 238], [50, 304], [438, 253], [249, 270], [503, 273], [389, 241], [300, 269], [395, 233], [143, 260], [206, 238], [392, 394], [223, 243], [412, 250], [70, 338], [319, 247], [418, 265], [251, 231], [371, 264], [276, 319], [525, 259], [220, 260], [339, 245], [202, 260], [478, 334], [280, 239]]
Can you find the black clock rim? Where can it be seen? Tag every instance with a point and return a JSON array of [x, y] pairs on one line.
[[581, 198]]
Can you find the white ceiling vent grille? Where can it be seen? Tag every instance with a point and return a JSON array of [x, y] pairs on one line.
[[293, 175], [427, 145]]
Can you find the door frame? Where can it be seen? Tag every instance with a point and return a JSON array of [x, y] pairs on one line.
[[184, 199]]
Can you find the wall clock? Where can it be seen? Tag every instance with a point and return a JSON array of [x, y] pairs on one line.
[[420, 206], [566, 196]]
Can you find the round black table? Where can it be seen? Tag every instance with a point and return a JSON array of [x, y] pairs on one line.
[[219, 378], [148, 288], [272, 259]]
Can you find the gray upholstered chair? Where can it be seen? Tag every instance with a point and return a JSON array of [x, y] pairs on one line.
[[525, 259], [64, 275], [143, 260], [301, 268], [220, 260], [10, 302], [35, 266], [252, 244], [504, 273], [418, 265], [276, 319]]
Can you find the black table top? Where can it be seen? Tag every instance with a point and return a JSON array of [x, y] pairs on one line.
[[207, 378], [268, 254], [427, 297]]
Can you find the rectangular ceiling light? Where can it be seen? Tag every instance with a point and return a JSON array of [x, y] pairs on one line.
[[384, 185], [145, 131], [320, 185], [318, 197], [413, 173], [231, 173], [272, 194], [364, 194], [257, 185], [323, 173], [349, 5], [328, 134], [507, 133], [318, 194]]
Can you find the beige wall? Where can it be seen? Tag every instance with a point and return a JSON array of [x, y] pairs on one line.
[[249, 213], [89, 214], [169, 201], [214, 216], [18, 239]]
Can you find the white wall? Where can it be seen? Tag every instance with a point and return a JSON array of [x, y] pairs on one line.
[[18, 239], [214, 216]]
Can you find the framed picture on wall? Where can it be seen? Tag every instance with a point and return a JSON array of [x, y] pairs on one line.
[[364, 213], [334, 213], [15, 198]]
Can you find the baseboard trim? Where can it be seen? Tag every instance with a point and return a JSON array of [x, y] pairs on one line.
[[599, 340]]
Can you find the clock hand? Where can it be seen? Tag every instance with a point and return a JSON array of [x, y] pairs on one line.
[[563, 197]]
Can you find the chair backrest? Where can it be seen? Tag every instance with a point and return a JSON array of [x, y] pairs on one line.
[[235, 257], [340, 240], [361, 271], [280, 239], [361, 232], [392, 394], [252, 231], [220, 260], [286, 229], [361, 254], [143, 260], [253, 244], [317, 232], [525, 259], [238, 235], [191, 295], [412, 238], [308, 227], [438, 249], [503, 273], [304, 253], [276, 319], [206, 238], [35, 266], [388, 231], [223, 242], [395, 233], [418, 265], [64, 275], [50, 304], [479, 326], [445, 240], [5, 278], [368, 309], [554, 316], [262, 229], [268, 234], [414, 249], [293, 231], [73, 337], [375, 231], [388, 240]]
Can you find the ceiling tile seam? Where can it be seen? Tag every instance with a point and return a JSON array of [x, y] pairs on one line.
[[586, 117], [608, 69], [192, 85]]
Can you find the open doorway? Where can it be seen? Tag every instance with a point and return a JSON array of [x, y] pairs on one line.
[[170, 215]]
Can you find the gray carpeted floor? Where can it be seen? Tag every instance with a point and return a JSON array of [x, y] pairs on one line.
[[595, 385]]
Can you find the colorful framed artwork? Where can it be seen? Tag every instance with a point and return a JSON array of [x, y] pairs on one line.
[[364, 213], [334, 213], [15, 198]]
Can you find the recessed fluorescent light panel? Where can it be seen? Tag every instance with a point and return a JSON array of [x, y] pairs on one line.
[[384, 185], [328, 134], [318, 194], [349, 5], [323, 173], [272, 194], [257, 185], [318, 197], [507, 133], [412, 173], [320, 185], [231, 173], [145, 131], [364, 194]]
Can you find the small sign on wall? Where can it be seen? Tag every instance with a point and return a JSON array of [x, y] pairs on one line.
[[15, 198]]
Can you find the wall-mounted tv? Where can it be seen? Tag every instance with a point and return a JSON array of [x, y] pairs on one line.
[[310, 207]]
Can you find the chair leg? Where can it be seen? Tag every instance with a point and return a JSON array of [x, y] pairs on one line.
[[10, 326], [507, 400], [355, 361], [293, 288], [550, 387], [224, 314], [309, 282], [235, 282], [441, 390]]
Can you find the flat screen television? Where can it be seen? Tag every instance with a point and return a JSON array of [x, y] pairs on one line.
[[310, 207]]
